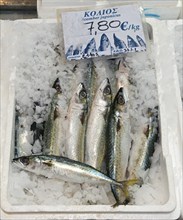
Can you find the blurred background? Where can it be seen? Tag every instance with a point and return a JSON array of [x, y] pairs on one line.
[[27, 9], [18, 9]]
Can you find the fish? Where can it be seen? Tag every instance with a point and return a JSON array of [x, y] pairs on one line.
[[119, 44], [118, 142], [141, 41], [76, 116], [63, 168], [96, 125], [90, 81], [78, 50], [152, 138], [105, 44], [90, 49], [144, 146], [53, 133], [131, 42]]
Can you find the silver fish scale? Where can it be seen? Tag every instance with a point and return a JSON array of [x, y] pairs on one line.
[[63, 168], [77, 112], [152, 138], [96, 126], [95, 143], [118, 148], [75, 143], [143, 149], [53, 134]]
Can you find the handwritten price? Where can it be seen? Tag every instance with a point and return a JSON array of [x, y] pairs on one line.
[[105, 25]]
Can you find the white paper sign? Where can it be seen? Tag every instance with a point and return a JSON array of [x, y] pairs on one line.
[[103, 32]]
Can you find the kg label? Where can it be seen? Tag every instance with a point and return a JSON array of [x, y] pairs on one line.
[[102, 32]]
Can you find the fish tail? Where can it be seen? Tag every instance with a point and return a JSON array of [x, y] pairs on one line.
[[116, 204], [125, 188], [126, 201], [131, 182], [126, 194]]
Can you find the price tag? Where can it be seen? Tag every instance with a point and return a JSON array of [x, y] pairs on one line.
[[102, 32]]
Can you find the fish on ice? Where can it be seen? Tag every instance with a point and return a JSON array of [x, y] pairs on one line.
[[58, 167], [76, 117], [96, 126]]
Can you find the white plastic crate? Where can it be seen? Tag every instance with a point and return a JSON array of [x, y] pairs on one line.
[[171, 139], [161, 9]]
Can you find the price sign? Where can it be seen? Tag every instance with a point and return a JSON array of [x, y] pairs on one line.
[[103, 32]]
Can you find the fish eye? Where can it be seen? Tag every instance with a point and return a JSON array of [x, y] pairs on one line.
[[24, 160], [107, 90], [82, 94], [120, 100]]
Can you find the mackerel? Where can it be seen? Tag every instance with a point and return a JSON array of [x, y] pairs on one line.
[[63, 168], [76, 116], [96, 126], [144, 146], [118, 144], [91, 82], [53, 134]]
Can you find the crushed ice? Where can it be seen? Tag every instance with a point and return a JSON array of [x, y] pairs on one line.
[[38, 64]]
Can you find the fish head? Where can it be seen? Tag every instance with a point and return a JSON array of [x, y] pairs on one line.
[[81, 94], [26, 162], [105, 91], [119, 100], [57, 86]]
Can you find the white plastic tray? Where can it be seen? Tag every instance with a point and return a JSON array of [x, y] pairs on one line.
[[163, 9], [170, 129]]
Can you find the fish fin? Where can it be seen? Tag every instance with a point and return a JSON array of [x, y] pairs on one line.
[[126, 184], [126, 194], [48, 162], [118, 125], [125, 202], [115, 204], [131, 182], [137, 181]]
